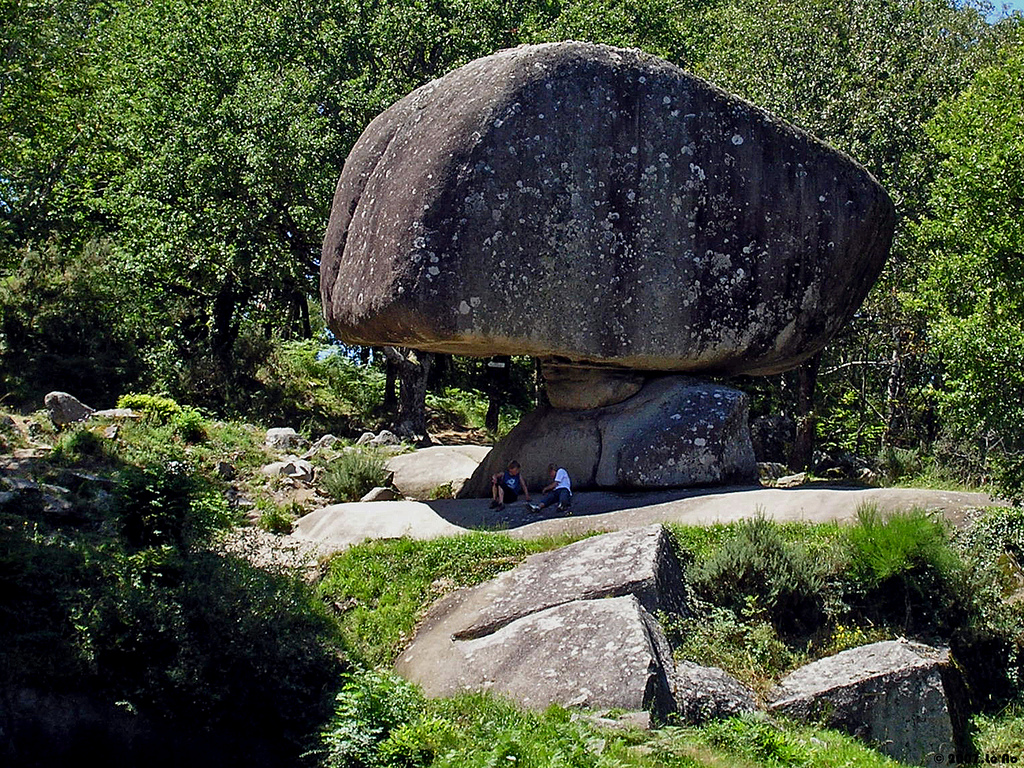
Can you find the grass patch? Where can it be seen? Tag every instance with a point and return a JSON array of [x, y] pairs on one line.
[[383, 722], [381, 588], [1002, 734]]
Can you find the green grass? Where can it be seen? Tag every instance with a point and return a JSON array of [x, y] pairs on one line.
[[381, 588], [382, 721], [1001, 734]]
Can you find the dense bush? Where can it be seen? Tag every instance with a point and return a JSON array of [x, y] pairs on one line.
[[123, 599], [758, 572], [903, 571]]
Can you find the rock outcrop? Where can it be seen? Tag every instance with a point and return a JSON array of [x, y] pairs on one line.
[[616, 217], [574, 626], [65, 409], [419, 474], [676, 431], [891, 694], [587, 203]]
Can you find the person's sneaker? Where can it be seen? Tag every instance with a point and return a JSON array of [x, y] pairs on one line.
[[500, 506], [564, 506], [534, 508], [494, 503]]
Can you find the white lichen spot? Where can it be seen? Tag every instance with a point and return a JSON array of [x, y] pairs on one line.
[[737, 139], [676, 416], [464, 308], [667, 100], [821, 198], [634, 149], [433, 271], [474, 301]]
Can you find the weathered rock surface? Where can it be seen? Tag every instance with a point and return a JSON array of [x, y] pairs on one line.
[[676, 432], [339, 526], [66, 409], [571, 626], [891, 693], [284, 439], [709, 693], [660, 223], [587, 653], [419, 473], [638, 561], [290, 466]]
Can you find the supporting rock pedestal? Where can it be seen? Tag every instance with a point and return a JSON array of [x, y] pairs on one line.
[[674, 432]]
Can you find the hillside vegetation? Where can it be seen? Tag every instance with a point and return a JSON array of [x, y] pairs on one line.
[[130, 596]]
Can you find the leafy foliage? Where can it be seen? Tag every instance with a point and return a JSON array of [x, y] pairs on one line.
[[757, 570]]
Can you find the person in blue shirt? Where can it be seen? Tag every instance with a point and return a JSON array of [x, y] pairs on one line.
[[558, 491], [508, 486]]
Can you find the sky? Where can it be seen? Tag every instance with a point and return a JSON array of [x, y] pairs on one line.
[[1014, 5]]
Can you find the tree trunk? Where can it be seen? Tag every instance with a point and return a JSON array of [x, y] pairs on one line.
[[497, 383], [390, 389], [806, 418], [413, 369]]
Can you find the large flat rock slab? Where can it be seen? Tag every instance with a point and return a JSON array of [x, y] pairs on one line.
[[419, 473], [638, 561], [889, 693], [590, 653], [339, 526], [661, 223]]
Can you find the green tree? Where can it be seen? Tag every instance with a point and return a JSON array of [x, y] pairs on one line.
[[974, 236]]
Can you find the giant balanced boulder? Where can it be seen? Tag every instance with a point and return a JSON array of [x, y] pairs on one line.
[[598, 206]]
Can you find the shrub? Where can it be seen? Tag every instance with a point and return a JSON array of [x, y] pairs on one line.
[[756, 571], [80, 444], [353, 474], [165, 505], [278, 519], [189, 425], [750, 649], [208, 641], [370, 706], [903, 570], [155, 408]]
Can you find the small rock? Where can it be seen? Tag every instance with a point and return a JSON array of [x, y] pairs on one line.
[[66, 409], [770, 471], [327, 441], [709, 693], [119, 414], [386, 438], [284, 438], [867, 475], [381, 494], [225, 470], [111, 432], [791, 481], [292, 467], [365, 438]]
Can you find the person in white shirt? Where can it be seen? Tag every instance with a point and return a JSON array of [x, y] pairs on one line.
[[558, 491]]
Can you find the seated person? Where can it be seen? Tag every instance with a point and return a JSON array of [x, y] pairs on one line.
[[558, 491], [507, 487]]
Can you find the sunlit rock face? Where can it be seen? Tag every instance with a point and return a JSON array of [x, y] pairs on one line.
[[586, 203]]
